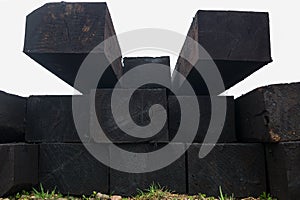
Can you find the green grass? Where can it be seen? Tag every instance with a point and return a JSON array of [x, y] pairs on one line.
[[42, 194], [224, 197], [154, 192], [265, 196]]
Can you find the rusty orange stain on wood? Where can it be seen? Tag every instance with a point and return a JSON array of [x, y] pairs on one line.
[[86, 28], [274, 136]]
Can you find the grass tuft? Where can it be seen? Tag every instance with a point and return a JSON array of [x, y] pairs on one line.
[[224, 197], [265, 196], [42, 194], [154, 192]]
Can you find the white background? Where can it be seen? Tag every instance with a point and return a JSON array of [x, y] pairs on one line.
[[21, 75]]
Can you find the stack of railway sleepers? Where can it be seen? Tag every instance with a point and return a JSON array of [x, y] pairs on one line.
[[253, 150], [269, 115], [229, 45]]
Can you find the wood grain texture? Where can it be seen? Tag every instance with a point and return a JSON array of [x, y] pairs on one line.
[[237, 168], [50, 119], [238, 43], [139, 105], [173, 176], [269, 114], [133, 62], [12, 118], [228, 130], [18, 168], [59, 36], [283, 161], [72, 169]]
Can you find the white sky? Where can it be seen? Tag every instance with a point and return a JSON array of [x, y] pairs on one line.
[[21, 75]]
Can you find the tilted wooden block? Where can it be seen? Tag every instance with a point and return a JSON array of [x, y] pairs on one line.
[[59, 36], [237, 42]]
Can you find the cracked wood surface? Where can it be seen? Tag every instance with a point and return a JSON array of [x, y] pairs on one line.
[[269, 114]]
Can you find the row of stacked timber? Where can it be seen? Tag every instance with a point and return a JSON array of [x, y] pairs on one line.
[[257, 150]]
